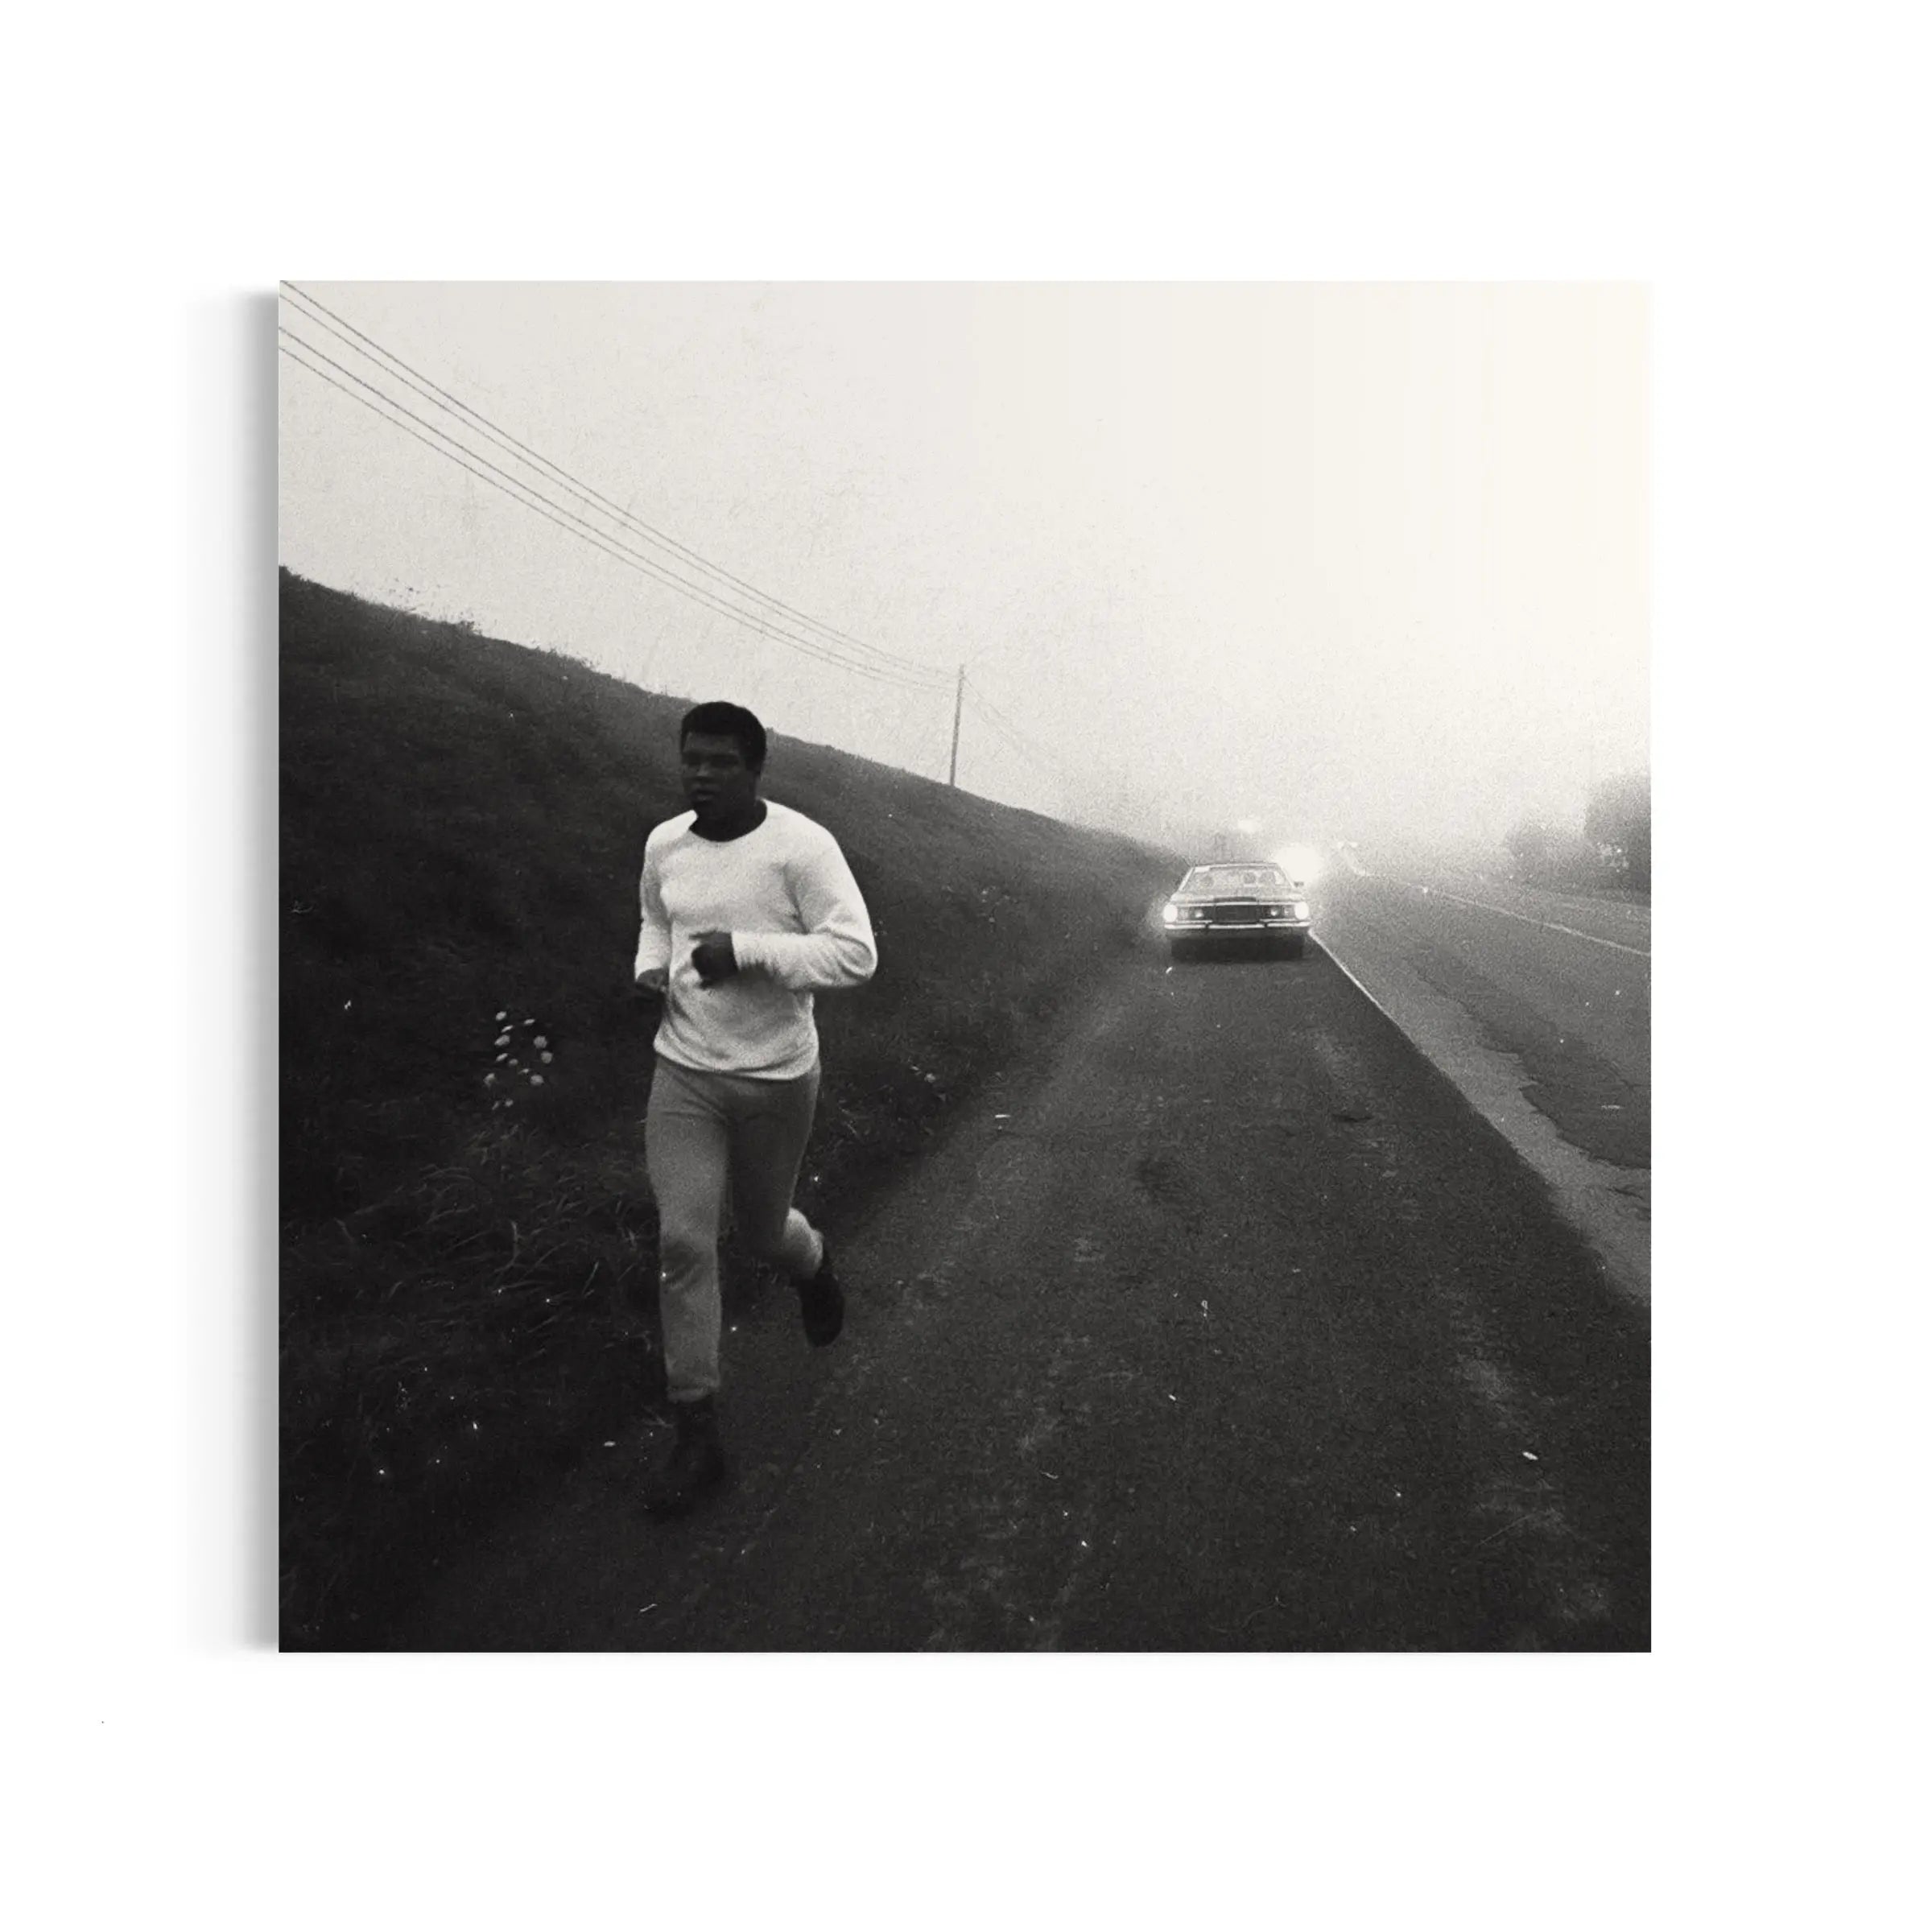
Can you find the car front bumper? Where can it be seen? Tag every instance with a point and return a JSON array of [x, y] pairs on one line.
[[1224, 929]]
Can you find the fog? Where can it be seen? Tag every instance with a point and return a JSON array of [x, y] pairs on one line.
[[1360, 562]]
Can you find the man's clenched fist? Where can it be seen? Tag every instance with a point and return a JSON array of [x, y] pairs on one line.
[[714, 957]]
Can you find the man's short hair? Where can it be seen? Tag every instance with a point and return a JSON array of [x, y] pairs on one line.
[[718, 720]]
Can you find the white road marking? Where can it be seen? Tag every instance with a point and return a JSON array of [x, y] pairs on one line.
[[1335, 959], [1608, 1205], [1436, 892]]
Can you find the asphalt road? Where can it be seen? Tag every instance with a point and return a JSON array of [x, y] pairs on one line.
[[1229, 1326], [1537, 1004]]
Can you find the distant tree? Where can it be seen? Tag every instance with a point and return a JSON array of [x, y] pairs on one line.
[[1552, 855], [1532, 844], [1618, 823]]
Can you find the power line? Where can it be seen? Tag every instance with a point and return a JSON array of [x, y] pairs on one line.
[[527, 502], [504, 439], [519, 492], [1013, 734], [1009, 737], [648, 565], [1078, 785], [991, 710], [527, 493], [522, 453], [1071, 782]]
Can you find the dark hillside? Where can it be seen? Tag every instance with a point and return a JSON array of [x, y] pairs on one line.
[[468, 1256]]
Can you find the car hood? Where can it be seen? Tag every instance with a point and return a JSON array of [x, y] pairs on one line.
[[1250, 895]]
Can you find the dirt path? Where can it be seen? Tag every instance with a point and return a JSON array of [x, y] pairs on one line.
[[1239, 1330]]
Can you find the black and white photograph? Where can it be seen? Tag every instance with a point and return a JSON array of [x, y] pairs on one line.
[[965, 967], [962, 967]]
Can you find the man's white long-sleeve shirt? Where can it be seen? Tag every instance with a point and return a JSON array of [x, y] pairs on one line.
[[798, 925]]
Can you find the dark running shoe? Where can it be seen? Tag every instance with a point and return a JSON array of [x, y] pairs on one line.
[[696, 1463], [822, 1303]]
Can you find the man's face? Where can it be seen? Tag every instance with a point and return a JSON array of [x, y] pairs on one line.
[[718, 783]]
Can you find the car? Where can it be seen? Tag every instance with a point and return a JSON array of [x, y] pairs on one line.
[[1251, 901]]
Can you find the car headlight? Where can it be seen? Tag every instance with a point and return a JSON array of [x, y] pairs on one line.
[[1169, 914], [1299, 909]]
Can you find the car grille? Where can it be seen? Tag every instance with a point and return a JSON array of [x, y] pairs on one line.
[[1243, 913]]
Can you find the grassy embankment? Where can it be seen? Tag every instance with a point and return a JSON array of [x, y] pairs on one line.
[[467, 1287]]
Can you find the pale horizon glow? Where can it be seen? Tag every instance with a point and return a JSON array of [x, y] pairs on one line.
[[1334, 561]]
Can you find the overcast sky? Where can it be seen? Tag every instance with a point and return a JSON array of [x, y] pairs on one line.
[[1343, 561]]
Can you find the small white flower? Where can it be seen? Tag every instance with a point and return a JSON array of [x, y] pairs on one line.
[[501, 1058], [502, 1016], [489, 1080], [548, 1058], [539, 1041], [536, 1080]]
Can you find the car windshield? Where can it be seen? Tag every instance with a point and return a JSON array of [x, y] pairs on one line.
[[1235, 878]]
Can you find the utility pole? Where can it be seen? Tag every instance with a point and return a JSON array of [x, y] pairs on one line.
[[959, 697]]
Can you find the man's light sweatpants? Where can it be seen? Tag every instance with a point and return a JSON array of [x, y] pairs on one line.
[[704, 1132]]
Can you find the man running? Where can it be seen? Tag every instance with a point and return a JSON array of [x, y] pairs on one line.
[[748, 909]]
